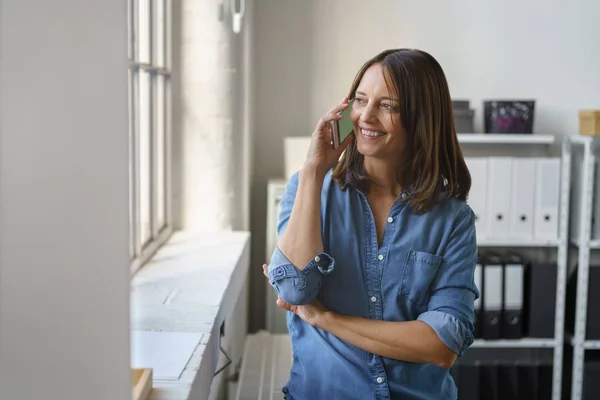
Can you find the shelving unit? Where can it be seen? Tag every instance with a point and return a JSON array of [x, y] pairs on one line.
[[587, 149], [531, 343], [532, 142]]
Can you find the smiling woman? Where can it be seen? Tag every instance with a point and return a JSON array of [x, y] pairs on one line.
[[376, 256]]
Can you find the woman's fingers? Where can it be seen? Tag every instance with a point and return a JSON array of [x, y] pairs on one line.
[[266, 270]]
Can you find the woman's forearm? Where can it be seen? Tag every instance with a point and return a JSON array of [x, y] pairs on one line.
[[302, 238], [412, 341]]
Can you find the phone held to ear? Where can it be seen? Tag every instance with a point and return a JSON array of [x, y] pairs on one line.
[[341, 129]]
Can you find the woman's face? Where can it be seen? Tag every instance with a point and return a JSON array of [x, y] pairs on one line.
[[376, 117]]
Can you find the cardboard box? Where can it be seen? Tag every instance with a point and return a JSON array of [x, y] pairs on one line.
[[589, 122]]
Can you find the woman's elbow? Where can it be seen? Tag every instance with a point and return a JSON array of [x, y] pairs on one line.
[[293, 295], [445, 358]]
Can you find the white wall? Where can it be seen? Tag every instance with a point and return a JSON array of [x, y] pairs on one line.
[[64, 263], [308, 53]]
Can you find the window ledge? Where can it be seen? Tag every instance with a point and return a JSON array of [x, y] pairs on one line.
[[191, 285]]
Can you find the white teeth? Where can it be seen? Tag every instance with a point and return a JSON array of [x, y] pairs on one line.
[[371, 133]]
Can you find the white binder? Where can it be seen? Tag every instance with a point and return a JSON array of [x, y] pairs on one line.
[[478, 194], [498, 197], [547, 198], [522, 201]]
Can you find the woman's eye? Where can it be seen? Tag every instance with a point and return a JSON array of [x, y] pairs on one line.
[[359, 100]]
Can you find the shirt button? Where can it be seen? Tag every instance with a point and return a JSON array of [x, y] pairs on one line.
[[379, 380], [380, 257], [404, 196], [390, 219], [317, 258], [373, 299]]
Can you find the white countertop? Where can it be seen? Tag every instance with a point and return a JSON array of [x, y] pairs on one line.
[[191, 284]]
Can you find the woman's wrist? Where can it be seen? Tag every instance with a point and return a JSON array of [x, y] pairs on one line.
[[312, 171]]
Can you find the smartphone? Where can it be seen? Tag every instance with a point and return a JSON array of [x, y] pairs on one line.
[[341, 129]]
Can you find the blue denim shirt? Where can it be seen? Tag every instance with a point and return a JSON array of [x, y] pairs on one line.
[[423, 271]]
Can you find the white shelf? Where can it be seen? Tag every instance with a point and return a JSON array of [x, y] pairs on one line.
[[518, 243], [594, 244], [591, 344], [508, 138], [515, 343]]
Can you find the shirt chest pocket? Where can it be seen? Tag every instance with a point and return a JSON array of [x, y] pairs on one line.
[[419, 272]]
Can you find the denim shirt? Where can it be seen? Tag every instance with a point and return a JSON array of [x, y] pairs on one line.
[[423, 270]]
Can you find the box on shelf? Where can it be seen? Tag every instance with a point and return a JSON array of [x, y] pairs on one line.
[[463, 116], [589, 122], [508, 116]]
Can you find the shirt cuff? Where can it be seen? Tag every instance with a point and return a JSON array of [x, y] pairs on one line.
[[451, 331], [295, 286]]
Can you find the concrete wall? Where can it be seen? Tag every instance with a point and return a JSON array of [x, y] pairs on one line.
[[307, 53], [64, 258]]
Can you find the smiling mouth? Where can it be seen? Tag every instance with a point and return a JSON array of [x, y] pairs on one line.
[[371, 134]]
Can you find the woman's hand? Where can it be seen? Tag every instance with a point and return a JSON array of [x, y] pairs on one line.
[[310, 313], [321, 154]]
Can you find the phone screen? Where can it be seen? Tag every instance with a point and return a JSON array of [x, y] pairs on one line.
[[343, 128]]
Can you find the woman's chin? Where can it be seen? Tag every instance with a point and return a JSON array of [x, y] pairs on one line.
[[368, 149]]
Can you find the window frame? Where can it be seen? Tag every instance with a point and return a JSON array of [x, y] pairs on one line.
[[142, 250]]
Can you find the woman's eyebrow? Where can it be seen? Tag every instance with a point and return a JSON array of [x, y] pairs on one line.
[[381, 98]]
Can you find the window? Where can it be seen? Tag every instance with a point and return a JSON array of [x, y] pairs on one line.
[[149, 127]]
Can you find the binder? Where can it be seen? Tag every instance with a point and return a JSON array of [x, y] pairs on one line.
[[528, 382], [545, 381], [478, 277], [513, 282], [593, 312], [478, 194], [541, 302], [498, 197], [492, 297], [522, 196], [490, 383], [547, 198], [509, 381], [468, 379]]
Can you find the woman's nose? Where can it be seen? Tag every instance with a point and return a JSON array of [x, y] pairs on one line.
[[367, 114]]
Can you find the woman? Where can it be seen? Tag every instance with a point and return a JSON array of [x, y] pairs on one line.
[[377, 252]]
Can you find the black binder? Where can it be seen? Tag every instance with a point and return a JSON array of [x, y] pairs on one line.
[[490, 382], [509, 381], [528, 382], [492, 297], [467, 380], [513, 295], [541, 282], [478, 302]]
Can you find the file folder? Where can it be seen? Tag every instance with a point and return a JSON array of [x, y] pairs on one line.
[[547, 198], [593, 311], [513, 282], [522, 198], [479, 301], [490, 383], [541, 300], [492, 297], [528, 382], [509, 381], [498, 197], [468, 381], [478, 194], [545, 381]]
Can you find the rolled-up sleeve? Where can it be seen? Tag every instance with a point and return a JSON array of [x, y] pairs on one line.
[[294, 285], [450, 310]]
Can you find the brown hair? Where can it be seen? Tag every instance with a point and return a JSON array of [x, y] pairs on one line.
[[435, 165]]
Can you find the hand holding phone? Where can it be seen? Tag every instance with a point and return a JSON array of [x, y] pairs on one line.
[[323, 154]]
